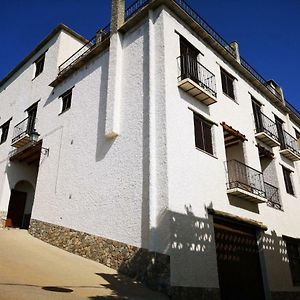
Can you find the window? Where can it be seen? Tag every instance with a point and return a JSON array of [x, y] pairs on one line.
[[39, 65], [287, 174], [4, 133], [293, 251], [31, 112], [203, 136], [227, 84], [297, 137], [188, 60], [66, 100], [256, 106]]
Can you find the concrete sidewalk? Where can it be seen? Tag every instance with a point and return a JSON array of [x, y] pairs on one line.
[[32, 269]]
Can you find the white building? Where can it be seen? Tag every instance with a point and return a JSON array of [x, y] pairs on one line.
[[157, 150]]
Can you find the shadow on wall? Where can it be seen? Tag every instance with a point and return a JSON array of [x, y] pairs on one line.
[[188, 250]]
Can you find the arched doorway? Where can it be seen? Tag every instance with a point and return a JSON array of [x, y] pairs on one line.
[[20, 205]]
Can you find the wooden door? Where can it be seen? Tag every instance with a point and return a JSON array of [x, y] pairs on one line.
[[16, 209], [238, 263]]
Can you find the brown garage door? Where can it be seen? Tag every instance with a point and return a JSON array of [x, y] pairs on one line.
[[238, 262]]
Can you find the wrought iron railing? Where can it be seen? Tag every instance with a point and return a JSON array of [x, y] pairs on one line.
[[289, 142], [265, 124], [189, 67], [101, 35], [272, 195], [244, 177], [224, 44], [292, 108], [135, 7], [205, 26], [27, 126]]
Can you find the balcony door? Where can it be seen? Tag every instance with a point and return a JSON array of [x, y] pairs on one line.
[[189, 63], [279, 124], [31, 111], [257, 116]]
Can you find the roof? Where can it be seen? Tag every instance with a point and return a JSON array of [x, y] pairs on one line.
[[56, 30]]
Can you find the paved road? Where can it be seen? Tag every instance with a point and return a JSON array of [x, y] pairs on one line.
[[33, 270]]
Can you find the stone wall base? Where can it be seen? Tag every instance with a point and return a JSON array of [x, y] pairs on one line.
[[3, 215], [285, 295], [150, 268]]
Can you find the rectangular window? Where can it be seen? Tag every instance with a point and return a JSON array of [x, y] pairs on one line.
[[39, 65], [279, 126], [227, 84], [293, 251], [287, 174], [256, 106], [4, 132], [203, 135], [66, 100], [31, 112]]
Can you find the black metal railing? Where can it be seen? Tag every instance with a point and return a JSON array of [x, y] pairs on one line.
[[189, 67], [265, 124], [205, 26], [225, 44], [289, 142], [101, 35], [272, 195], [134, 8], [292, 108], [27, 126], [244, 177]]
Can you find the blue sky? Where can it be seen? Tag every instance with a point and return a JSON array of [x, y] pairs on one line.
[[267, 30]]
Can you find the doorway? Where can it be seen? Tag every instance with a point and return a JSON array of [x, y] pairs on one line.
[[238, 262], [16, 209]]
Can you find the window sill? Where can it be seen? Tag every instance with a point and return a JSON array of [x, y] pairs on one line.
[[201, 150], [61, 113]]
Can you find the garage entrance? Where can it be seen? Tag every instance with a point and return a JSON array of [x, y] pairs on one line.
[[238, 262]]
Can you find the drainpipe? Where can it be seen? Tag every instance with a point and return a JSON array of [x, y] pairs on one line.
[[112, 121]]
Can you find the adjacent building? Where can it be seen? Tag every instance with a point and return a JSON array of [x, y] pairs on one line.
[[156, 149]]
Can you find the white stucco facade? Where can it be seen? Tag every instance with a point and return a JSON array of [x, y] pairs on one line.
[[122, 161]]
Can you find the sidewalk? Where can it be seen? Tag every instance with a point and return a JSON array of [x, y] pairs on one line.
[[32, 269]]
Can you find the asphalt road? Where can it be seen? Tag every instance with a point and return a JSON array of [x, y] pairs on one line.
[[32, 269]]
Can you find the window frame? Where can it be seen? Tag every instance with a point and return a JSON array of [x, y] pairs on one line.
[[224, 81], [206, 140], [292, 242], [66, 99], [4, 132], [289, 187], [39, 65]]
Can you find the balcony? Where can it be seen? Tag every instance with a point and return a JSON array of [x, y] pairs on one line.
[[245, 182], [266, 130], [196, 80], [272, 195], [289, 147], [22, 134]]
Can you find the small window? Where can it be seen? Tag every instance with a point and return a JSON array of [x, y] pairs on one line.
[[287, 174], [4, 132], [227, 84], [66, 100], [39, 65], [293, 247], [203, 135]]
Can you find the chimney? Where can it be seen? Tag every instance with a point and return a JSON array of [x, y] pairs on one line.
[[235, 46], [117, 15]]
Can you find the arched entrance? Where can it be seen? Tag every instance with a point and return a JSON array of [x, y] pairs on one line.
[[20, 205]]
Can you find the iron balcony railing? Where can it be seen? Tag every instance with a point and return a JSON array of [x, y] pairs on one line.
[[25, 127], [101, 35], [135, 7], [272, 195], [244, 177], [289, 142], [224, 44], [190, 68], [265, 124]]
